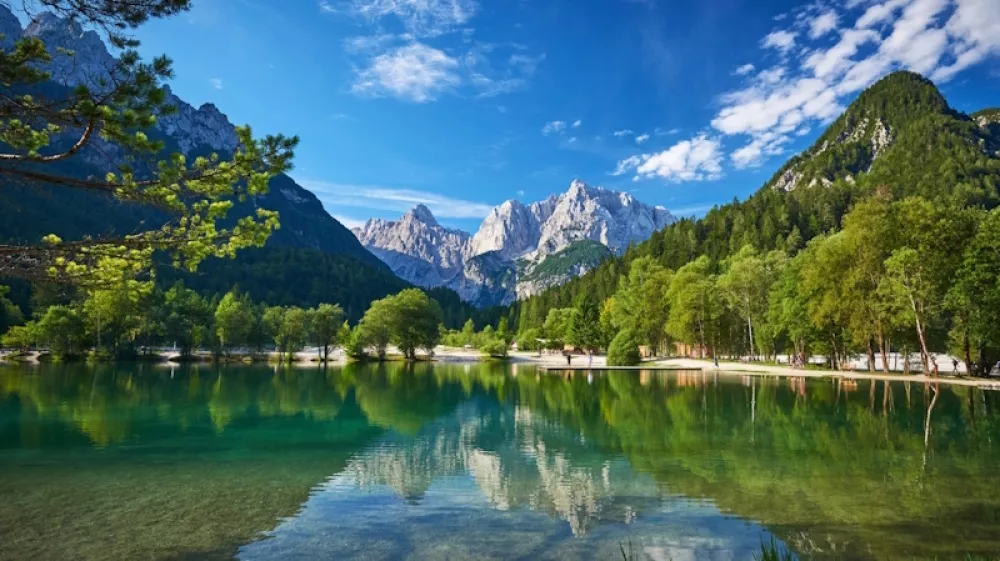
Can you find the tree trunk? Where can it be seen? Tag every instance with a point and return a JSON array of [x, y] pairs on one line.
[[883, 347], [750, 327], [924, 355], [967, 352], [906, 359], [871, 356]]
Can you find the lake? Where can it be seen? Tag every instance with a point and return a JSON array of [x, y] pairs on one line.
[[423, 461]]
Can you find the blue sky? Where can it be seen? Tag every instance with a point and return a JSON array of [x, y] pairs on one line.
[[462, 104]]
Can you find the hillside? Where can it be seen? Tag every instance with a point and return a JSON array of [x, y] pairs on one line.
[[899, 136], [315, 252]]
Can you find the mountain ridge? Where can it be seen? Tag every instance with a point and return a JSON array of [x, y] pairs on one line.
[[898, 138], [320, 253], [495, 265]]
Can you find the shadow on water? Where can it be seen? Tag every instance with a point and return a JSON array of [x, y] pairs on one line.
[[402, 460]]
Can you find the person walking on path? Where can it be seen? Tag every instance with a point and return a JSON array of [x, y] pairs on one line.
[[716, 357]]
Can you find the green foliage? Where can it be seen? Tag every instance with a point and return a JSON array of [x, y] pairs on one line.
[[291, 330], [585, 325], [495, 347], [20, 336], [638, 302], [121, 110], [624, 349], [855, 252], [557, 325], [63, 330], [584, 254], [186, 318], [528, 340], [325, 327], [233, 320], [10, 313]]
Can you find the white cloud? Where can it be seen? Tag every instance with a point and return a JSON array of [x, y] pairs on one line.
[[744, 70], [974, 28], [823, 24], [641, 138], [337, 195], [571, 140], [415, 72], [814, 81], [782, 40], [519, 192], [753, 154], [216, 83], [577, 123], [623, 132], [554, 127], [697, 159], [326, 7], [423, 18]]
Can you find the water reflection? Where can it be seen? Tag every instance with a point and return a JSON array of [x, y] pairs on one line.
[[393, 461]]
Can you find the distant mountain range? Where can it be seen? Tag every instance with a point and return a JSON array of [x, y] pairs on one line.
[[519, 249]]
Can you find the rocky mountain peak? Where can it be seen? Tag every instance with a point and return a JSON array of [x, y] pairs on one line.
[[577, 188], [421, 213], [502, 260]]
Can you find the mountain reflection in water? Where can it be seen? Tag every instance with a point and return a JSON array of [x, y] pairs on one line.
[[430, 461]]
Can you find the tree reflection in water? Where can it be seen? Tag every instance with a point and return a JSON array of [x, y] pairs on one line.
[[833, 467]]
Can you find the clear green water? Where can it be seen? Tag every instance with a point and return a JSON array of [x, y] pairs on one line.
[[486, 462]]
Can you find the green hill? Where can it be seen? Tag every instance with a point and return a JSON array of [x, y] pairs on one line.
[[899, 136]]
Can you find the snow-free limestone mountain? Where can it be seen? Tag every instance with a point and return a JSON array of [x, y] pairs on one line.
[[519, 249]]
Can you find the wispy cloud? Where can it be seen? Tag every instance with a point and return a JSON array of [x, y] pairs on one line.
[[422, 18], [338, 195], [577, 123], [553, 127], [814, 77], [641, 138], [216, 83], [415, 72], [623, 132], [781, 40]]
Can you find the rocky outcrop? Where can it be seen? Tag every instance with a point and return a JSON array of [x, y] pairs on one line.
[[510, 229], [871, 132], [416, 247], [502, 261]]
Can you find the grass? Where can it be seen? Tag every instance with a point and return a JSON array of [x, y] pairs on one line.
[[773, 552], [769, 551]]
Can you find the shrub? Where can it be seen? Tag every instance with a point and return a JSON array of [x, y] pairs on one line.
[[624, 349], [495, 347]]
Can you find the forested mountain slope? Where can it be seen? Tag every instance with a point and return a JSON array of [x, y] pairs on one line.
[[319, 259], [898, 137]]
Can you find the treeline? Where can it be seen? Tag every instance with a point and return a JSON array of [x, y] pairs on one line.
[[900, 276], [936, 170], [133, 318]]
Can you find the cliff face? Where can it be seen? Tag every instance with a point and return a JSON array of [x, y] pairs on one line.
[[519, 249]]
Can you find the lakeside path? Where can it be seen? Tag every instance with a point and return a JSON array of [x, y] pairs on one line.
[[738, 368]]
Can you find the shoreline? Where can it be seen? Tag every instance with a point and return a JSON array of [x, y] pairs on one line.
[[556, 363], [741, 369]]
